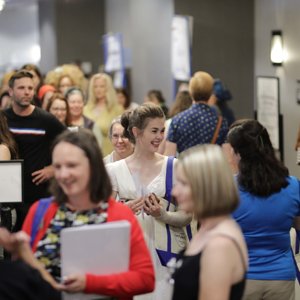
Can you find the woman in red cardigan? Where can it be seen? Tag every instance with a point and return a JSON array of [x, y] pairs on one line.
[[82, 196]]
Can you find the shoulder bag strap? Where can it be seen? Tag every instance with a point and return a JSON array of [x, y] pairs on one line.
[[169, 185], [38, 216], [169, 180], [217, 130]]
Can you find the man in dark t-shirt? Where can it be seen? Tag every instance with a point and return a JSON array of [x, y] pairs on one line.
[[34, 130]]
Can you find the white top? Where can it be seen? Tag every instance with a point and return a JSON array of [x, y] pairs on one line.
[[123, 183], [109, 158]]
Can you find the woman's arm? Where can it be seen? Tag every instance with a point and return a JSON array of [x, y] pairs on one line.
[[135, 204], [18, 245], [176, 218], [154, 207], [25, 253]]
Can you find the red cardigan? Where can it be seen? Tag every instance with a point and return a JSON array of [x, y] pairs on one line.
[[139, 279]]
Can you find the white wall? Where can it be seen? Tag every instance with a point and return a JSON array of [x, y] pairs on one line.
[[284, 15], [146, 27], [19, 35]]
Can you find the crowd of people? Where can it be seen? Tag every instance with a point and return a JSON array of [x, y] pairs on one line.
[[210, 206]]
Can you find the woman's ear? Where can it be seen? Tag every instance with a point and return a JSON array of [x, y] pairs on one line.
[[232, 157], [236, 155], [135, 131]]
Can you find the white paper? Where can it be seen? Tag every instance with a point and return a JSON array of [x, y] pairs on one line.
[[180, 48], [11, 181], [268, 107], [97, 249]]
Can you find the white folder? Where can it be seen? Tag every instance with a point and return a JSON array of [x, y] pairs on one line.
[[97, 249]]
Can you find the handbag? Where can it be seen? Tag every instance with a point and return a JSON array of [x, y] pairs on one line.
[[170, 240]]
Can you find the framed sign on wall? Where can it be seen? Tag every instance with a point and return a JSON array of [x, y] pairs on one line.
[[11, 181], [268, 109]]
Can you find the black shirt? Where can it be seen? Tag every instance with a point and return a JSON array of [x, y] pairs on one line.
[[34, 135]]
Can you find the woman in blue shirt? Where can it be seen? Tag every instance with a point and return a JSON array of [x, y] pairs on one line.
[[269, 204]]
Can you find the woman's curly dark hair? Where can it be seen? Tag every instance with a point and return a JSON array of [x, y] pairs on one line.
[[260, 172]]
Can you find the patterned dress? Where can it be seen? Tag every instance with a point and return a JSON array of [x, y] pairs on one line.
[[48, 248], [196, 126]]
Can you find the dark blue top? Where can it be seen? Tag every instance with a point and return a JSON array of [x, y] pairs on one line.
[[195, 126], [266, 224]]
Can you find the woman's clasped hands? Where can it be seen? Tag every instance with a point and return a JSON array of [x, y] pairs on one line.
[[152, 205]]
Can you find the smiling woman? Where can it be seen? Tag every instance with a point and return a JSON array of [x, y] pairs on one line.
[[72, 172], [80, 201], [58, 106], [122, 146], [140, 181]]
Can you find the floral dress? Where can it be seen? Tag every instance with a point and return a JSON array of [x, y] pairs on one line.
[[48, 248]]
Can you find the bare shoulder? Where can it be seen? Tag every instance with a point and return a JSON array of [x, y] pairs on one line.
[[219, 243], [226, 249], [163, 158]]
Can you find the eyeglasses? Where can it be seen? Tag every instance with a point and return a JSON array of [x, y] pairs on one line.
[[116, 137]]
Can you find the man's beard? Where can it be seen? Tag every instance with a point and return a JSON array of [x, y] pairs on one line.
[[21, 104]]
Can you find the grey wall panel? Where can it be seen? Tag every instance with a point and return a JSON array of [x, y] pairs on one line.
[[223, 45], [80, 26], [271, 15]]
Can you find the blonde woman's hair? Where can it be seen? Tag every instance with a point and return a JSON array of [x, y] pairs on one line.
[[111, 96], [214, 191], [201, 86], [54, 76]]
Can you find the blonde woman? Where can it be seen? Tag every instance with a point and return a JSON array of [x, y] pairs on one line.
[[102, 106], [214, 264], [66, 76]]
